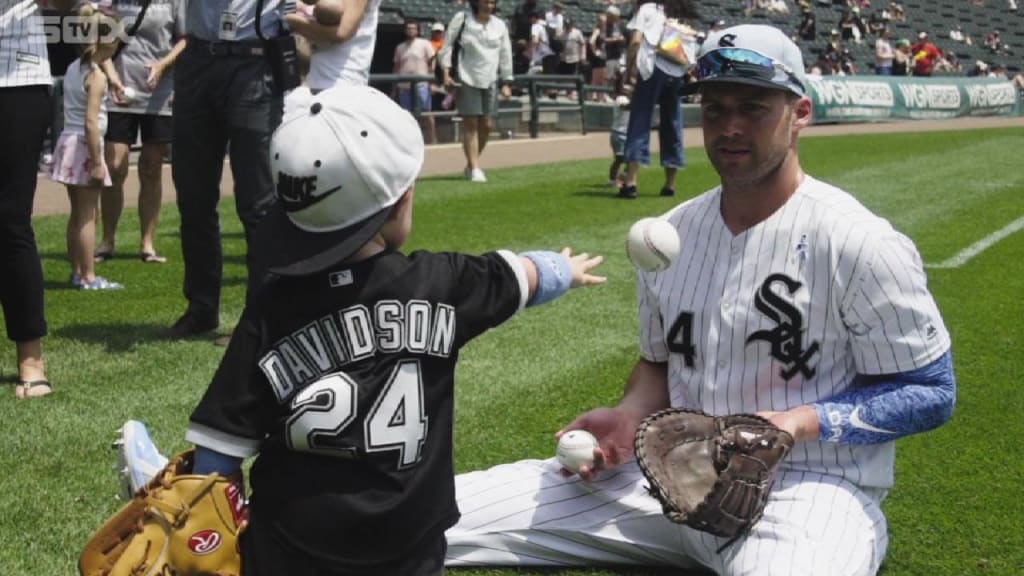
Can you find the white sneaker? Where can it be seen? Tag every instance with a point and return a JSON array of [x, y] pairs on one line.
[[477, 175], [138, 459]]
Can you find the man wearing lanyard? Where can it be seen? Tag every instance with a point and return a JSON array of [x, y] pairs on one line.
[[225, 97]]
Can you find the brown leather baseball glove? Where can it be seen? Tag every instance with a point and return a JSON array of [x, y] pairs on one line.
[[179, 523], [710, 473]]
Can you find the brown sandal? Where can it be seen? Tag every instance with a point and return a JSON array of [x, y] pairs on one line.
[[33, 389]]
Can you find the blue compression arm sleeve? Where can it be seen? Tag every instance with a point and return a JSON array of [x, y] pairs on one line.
[[554, 276], [209, 461], [883, 408]]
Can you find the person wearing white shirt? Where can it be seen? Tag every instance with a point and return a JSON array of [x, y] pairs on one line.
[[655, 80], [485, 55], [883, 54], [342, 53], [554, 18], [541, 53], [574, 49]]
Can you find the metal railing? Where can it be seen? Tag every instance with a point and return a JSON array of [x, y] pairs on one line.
[[536, 85]]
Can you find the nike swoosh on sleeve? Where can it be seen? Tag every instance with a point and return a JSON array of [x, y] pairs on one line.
[[856, 422]]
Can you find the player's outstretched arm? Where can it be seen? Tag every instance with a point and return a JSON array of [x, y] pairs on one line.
[[615, 428], [551, 274]]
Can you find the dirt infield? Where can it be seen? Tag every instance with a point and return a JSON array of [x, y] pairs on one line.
[[51, 197]]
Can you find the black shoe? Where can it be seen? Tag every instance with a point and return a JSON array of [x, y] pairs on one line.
[[666, 191], [627, 192], [192, 324]]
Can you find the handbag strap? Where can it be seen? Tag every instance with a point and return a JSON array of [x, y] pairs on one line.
[[458, 37], [135, 26]]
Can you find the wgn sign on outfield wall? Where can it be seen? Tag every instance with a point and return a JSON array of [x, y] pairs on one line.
[[858, 99]]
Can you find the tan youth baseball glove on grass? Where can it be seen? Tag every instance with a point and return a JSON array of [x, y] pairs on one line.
[[710, 473], [179, 523]]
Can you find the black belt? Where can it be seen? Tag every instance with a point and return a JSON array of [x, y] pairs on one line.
[[242, 48]]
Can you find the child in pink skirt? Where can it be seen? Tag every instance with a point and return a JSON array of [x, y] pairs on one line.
[[78, 157]]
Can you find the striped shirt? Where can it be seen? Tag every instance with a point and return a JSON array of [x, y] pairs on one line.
[[24, 60], [788, 312]]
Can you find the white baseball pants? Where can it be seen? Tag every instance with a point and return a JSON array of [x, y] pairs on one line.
[[527, 514]]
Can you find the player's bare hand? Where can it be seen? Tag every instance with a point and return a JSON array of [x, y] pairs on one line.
[[581, 264], [614, 430], [801, 422]]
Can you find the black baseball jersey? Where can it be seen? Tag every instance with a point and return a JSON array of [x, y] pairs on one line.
[[343, 383]]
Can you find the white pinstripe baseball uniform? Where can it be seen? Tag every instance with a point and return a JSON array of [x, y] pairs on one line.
[[785, 313], [24, 60]]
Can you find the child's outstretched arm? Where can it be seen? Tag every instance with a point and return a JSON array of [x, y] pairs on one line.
[[551, 274]]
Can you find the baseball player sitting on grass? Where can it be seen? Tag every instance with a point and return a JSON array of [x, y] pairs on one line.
[[789, 300], [340, 374]]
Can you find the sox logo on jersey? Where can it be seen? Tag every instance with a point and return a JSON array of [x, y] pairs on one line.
[[786, 338]]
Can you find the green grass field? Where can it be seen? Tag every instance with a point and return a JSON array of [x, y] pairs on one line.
[[958, 504]]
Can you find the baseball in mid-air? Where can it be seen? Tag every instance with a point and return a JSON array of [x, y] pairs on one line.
[[575, 449], [652, 244], [128, 94]]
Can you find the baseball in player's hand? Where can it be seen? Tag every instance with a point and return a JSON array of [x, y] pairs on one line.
[[581, 264], [614, 430]]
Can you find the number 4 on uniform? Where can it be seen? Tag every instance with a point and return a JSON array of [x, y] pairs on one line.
[[322, 411], [680, 338], [397, 421]]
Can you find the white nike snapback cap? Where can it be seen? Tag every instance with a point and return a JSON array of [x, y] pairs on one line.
[[340, 160]]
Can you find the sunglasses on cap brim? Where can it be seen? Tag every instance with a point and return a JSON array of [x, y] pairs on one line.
[[746, 63]]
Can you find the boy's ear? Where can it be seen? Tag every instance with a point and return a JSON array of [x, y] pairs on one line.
[[405, 200]]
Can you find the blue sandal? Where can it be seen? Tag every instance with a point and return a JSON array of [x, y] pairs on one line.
[[101, 283]]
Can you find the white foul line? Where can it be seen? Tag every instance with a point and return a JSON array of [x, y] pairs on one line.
[[980, 246]]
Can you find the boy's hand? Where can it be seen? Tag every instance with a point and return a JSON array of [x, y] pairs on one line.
[[581, 265]]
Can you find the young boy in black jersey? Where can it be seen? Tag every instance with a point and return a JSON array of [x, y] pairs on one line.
[[339, 377]]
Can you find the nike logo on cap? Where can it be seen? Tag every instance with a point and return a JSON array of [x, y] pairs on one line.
[[857, 422], [300, 192]]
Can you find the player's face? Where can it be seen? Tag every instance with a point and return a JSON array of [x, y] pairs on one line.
[[412, 31], [749, 132]]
